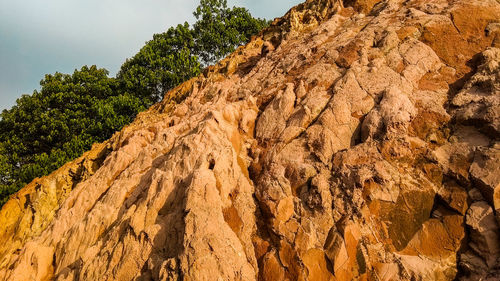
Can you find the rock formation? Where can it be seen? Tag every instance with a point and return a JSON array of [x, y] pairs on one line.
[[354, 140]]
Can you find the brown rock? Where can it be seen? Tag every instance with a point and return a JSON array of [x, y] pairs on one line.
[[484, 232], [493, 31], [455, 197], [271, 268], [477, 103], [485, 173], [267, 47], [316, 265], [335, 250], [334, 146], [349, 54], [442, 33], [362, 6]]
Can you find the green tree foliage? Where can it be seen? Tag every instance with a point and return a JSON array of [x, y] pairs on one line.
[[58, 123], [71, 112], [163, 63], [219, 30], [179, 53]]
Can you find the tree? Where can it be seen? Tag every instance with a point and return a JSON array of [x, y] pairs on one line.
[[179, 53], [220, 30], [163, 63], [56, 125]]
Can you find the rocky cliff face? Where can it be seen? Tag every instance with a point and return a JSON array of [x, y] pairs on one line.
[[354, 140]]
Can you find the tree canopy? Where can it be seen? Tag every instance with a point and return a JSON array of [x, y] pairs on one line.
[[179, 53], [163, 63], [57, 124], [220, 30]]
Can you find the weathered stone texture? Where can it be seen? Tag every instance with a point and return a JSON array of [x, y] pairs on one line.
[[354, 140]]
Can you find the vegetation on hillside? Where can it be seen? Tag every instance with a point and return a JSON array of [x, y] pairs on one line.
[[71, 112], [181, 52]]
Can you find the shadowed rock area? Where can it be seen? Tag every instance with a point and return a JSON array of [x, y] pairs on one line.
[[354, 140]]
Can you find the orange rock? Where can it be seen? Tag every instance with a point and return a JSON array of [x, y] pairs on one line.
[[362, 6], [316, 265], [271, 268], [344, 153]]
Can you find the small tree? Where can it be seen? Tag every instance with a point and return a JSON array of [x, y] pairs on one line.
[[161, 64], [174, 56], [220, 30]]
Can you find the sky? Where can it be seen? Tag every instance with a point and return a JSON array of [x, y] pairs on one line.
[[39, 37]]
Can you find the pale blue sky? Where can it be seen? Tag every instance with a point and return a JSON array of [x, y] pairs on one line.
[[44, 36]]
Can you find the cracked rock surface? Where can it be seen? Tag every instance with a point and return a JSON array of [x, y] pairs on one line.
[[354, 140]]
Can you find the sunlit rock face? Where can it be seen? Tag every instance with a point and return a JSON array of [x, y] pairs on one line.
[[349, 141]]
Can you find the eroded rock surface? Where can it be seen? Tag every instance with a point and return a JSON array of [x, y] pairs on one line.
[[354, 140]]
